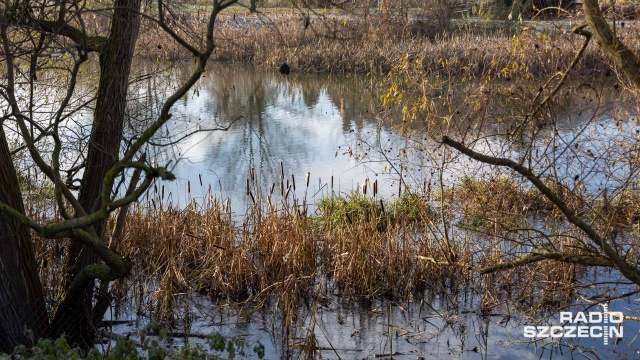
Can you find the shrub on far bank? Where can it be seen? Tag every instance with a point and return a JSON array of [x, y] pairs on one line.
[[500, 9]]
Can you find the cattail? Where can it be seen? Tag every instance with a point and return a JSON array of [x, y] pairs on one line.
[[282, 179], [293, 180], [308, 176], [400, 183]]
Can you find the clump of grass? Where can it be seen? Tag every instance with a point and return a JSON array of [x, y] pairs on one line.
[[412, 207], [343, 210], [501, 200], [356, 208], [621, 212]]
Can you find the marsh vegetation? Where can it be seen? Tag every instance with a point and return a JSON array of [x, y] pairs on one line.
[[446, 184]]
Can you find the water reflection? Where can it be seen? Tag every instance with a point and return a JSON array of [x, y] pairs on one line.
[[302, 122], [319, 124]]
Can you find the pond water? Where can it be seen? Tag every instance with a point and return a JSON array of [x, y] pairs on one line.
[[328, 128], [296, 125], [319, 125], [441, 326]]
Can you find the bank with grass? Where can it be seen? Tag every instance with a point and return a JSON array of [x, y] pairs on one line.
[[459, 44]]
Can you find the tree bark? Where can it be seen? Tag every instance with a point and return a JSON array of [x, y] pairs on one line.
[[21, 298], [625, 59], [74, 318], [22, 303]]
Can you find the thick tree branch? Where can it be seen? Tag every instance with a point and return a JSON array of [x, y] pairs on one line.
[[118, 265], [93, 43], [114, 267], [539, 255], [55, 230]]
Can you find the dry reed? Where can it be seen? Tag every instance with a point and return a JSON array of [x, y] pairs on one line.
[[353, 43]]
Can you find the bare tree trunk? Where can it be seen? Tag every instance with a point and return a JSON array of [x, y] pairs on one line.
[[252, 7], [75, 318], [616, 51], [21, 298]]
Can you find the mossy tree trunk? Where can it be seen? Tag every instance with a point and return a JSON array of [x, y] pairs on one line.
[[625, 59], [21, 295], [74, 317]]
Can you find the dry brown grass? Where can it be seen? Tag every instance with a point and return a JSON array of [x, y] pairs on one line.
[[344, 43], [280, 257], [277, 248], [277, 257]]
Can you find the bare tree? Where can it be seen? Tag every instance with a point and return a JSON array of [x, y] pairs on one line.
[[603, 217], [43, 37]]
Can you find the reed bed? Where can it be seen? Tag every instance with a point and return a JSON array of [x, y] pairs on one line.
[[356, 247], [365, 44], [368, 253], [278, 257]]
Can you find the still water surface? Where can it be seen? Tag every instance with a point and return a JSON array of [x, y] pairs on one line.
[[315, 124], [299, 123]]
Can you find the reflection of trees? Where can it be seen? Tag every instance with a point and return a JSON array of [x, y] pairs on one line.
[[310, 93], [281, 118], [348, 97]]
